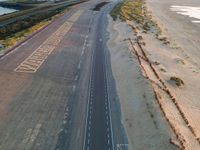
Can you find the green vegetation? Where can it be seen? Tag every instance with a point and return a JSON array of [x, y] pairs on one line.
[[132, 10], [12, 40], [128, 10], [23, 26], [177, 80], [98, 6], [116, 12]]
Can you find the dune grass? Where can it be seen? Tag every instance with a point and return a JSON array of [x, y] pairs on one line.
[[128, 10], [178, 81], [132, 10], [14, 38]]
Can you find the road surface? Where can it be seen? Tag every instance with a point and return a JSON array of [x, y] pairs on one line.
[[50, 83], [99, 128]]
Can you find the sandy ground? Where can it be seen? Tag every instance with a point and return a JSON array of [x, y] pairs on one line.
[[159, 61], [144, 123], [180, 58]]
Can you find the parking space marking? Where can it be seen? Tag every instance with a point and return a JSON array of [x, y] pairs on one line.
[[32, 63]]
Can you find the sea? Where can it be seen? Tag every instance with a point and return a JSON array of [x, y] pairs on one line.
[[4, 10], [190, 11]]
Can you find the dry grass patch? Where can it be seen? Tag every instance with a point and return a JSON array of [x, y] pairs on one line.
[[13, 39], [132, 10], [178, 81]]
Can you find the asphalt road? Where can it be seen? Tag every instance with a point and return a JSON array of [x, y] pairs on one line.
[[54, 87], [99, 128], [34, 105]]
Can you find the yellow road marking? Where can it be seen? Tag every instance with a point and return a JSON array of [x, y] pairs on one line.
[[32, 63]]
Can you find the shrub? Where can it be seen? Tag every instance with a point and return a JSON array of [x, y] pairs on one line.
[[177, 80]]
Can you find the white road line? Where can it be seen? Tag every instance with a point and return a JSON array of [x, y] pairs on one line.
[[64, 121], [24, 43], [120, 146], [106, 80], [82, 52], [35, 132], [67, 109], [84, 45], [76, 78], [79, 65], [89, 97], [108, 135], [27, 135], [74, 88]]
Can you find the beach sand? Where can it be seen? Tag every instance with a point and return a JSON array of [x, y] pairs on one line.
[[156, 110], [144, 122]]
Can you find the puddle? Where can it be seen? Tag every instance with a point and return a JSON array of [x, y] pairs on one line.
[[192, 12]]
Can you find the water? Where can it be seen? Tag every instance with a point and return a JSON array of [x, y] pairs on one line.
[[4, 10], [192, 12]]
